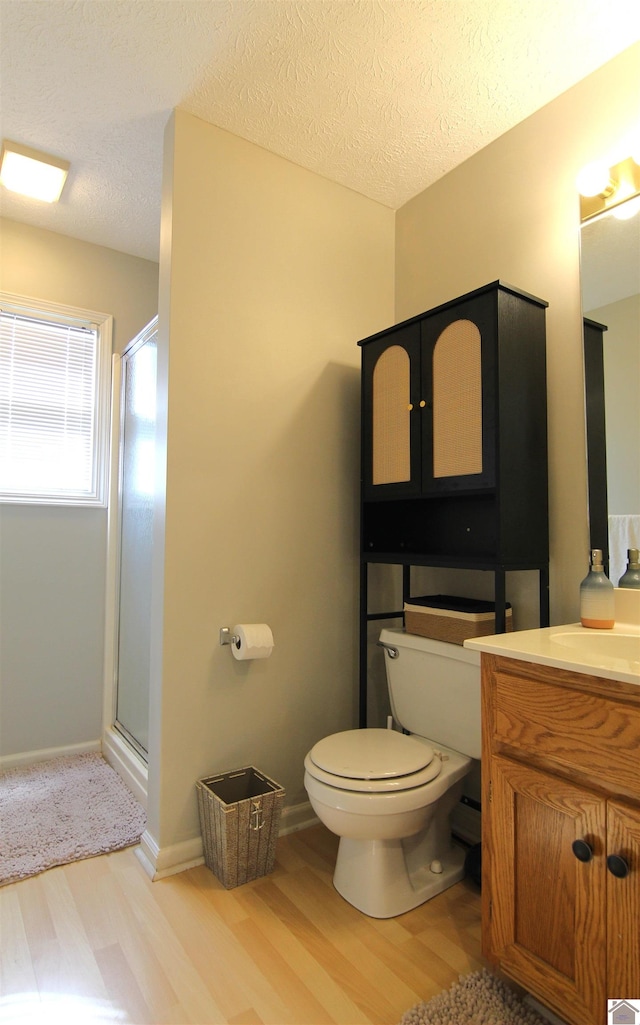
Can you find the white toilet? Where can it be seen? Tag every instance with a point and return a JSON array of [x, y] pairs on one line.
[[389, 795]]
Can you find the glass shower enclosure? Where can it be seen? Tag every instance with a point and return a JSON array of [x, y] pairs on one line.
[[135, 501]]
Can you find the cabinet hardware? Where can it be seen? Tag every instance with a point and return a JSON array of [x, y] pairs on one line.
[[410, 406], [582, 850], [422, 403], [618, 866]]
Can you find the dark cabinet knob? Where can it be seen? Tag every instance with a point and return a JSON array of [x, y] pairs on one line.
[[618, 866], [582, 850]]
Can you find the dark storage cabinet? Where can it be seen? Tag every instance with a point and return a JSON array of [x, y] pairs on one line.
[[454, 441], [428, 401], [471, 424]]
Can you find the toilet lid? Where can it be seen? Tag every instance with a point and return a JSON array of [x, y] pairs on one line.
[[373, 759]]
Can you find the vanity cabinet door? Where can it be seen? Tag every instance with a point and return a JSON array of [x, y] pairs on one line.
[[623, 900], [545, 923]]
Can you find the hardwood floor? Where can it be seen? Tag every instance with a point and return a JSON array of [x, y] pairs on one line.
[[97, 942]]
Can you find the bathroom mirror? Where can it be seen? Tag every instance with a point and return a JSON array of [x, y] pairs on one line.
[[610, 277]]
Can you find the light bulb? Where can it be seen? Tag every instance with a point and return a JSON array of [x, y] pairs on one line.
[[594, 180], [625, 211]]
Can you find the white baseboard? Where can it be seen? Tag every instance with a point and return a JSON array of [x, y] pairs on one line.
[[43, 755], [131, 769], [297, 817], [167, 861]]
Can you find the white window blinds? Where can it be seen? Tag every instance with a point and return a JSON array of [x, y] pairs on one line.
[[52, 405]]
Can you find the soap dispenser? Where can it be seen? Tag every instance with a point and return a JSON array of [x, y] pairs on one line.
[[631, 578], [597, 596]]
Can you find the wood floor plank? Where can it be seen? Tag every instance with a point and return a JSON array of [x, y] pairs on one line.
[[248, 1017], [16, 964], [411, 962], [35, 912], [94, 891], [282, 950], [156, 932], [297, 1002], [119, 978], [224, 902], [233, 980], [67, 963], [317, 847], [349, 931], [336, 1005], [373, 1006], [152, 980]]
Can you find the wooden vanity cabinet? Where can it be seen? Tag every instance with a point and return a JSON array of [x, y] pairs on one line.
[[561, 835]]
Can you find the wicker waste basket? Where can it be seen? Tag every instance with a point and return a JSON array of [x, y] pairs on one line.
[[239, 819]]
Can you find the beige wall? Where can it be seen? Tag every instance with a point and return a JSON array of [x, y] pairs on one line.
[[511, 212], [269, 276], [52, 558], [45, 265]]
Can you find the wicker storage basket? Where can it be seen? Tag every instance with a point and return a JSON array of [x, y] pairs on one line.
[[444, 617], [239, 819]]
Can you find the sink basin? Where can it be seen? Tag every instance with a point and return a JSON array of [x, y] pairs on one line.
[[608, 654], [601, 643]]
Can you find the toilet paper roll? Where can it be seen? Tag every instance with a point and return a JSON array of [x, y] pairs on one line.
[[252, 640]]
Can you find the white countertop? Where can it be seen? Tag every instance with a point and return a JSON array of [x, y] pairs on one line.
[[572, 647]]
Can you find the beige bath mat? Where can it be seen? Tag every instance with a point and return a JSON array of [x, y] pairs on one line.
[[477, 999], [63, 810]]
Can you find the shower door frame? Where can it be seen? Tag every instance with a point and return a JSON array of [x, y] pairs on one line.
[[119, 748]]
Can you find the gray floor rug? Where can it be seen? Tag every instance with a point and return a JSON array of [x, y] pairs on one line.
[[63, 810], [477, 999]]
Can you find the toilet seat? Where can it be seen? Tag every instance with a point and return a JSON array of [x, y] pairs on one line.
[[372, 761]]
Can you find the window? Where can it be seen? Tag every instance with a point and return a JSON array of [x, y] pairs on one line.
[[54, 397]]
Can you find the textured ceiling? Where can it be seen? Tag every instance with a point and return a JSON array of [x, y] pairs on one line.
[[383, 96]]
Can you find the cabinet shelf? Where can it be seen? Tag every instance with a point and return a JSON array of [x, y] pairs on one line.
[[406, 564], [451, 562]]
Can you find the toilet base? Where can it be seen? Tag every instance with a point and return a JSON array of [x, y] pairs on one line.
[[372, 875]]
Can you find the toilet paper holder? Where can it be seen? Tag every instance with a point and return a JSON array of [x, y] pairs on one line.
[[248, 641], [226, 637]]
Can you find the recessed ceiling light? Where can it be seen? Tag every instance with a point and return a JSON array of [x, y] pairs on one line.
[[32, 173]]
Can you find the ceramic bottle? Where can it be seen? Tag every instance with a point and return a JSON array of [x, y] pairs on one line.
[[631, 578], [597, 596]]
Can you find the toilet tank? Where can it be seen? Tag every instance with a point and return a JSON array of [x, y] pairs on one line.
[[434, 689]]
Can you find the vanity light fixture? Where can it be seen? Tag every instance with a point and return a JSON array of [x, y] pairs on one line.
[[32, 173], [604, 188], [595, 180], [625, 211]]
